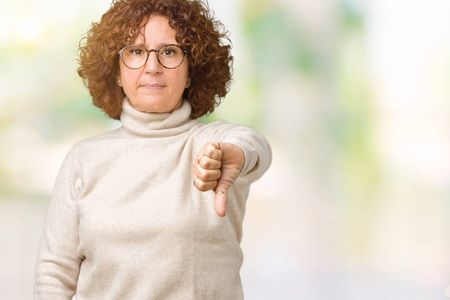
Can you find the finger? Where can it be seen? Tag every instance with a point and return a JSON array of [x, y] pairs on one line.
[[224, 183], [208, 169], [207, 175], [209, 164], [204, 186], [220, 203], [212, 151]]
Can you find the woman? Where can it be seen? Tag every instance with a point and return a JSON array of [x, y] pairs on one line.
[[154, 209]]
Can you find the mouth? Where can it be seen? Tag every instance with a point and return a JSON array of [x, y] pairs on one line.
[[152, 86]]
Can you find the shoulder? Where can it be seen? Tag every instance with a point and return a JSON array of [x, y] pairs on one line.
[[219, 130], [86, 147], [219, 126], [92, 141]]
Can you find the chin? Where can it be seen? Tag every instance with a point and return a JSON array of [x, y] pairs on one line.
[[153, 107]]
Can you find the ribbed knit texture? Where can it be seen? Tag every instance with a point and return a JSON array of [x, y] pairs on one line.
[[125, 221]]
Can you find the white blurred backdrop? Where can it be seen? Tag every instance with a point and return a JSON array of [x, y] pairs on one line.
[[354, 97]]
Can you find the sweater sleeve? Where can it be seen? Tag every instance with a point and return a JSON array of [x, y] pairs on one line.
[[58, 264], [257, 150]]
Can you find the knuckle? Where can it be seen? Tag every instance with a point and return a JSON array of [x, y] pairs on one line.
[[200, 185], [203, 174], [210, 152], [203, 186], [207, 164], [208, 146], [204, 162]]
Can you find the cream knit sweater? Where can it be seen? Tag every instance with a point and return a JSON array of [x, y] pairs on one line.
[[126, 222]]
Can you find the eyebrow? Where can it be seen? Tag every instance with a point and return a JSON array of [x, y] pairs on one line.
[[159, 45]]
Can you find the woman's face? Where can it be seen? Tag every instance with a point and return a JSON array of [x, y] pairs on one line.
[[153, 88]]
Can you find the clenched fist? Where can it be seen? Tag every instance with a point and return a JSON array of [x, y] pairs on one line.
[[216, 168]]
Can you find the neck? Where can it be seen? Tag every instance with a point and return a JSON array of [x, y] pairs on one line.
[[155, 124]]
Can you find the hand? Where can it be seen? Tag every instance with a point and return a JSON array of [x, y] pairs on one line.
[[216, 167]]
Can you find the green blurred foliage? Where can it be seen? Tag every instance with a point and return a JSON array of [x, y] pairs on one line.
[[275, 42], [359, 172]]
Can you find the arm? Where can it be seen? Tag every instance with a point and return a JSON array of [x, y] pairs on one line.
[[256, 148], [58, 264]]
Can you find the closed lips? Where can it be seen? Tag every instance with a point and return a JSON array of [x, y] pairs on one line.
[[152, 85]]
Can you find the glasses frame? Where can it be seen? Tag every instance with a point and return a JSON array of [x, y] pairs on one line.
[[148, 55]]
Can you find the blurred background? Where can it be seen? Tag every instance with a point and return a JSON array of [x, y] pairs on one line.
[[354, 97]]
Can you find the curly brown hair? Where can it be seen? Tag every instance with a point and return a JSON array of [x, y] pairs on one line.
[[197, 31]]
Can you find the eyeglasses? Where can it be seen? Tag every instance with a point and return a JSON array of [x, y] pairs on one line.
[[136, 56]]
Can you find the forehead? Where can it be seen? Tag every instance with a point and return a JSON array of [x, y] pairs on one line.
[[156, 30]]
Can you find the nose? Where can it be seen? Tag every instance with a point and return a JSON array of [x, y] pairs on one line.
[[152, 65]]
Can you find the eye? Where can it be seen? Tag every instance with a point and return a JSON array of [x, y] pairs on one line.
[[136, 51], [169, 51]]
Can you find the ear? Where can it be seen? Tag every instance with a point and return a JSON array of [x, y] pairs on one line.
[[188, 83], [119, 80]]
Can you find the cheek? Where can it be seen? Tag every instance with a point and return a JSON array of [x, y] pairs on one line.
[[129, 80], [181, 78], [122, 71]]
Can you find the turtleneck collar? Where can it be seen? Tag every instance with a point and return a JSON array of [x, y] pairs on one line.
[[156, 124]]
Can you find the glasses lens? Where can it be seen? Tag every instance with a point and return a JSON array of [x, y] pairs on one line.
[[134, 56], [171, 56]]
